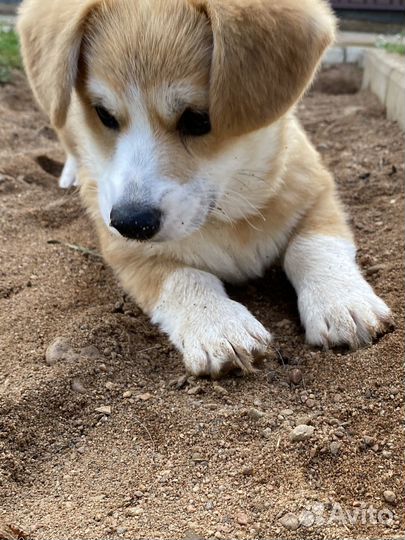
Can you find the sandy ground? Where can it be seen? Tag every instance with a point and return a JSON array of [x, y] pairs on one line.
[[170, 457]]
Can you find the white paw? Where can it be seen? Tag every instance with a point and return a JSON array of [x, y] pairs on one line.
[[343, 313], [337, 306], [227, 337], [68, 177], [214, 333]]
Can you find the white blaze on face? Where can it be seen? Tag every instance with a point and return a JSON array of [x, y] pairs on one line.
[[230, 184], [133, 174]]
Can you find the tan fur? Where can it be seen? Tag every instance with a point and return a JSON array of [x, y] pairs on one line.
[[307, 190], [253, 80], [248, 62], [52, 56], [265, 54]]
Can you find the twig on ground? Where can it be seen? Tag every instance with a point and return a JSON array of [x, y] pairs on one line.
[[75, 247]]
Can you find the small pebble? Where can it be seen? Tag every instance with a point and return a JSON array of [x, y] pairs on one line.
[[295, 375], [302, 432], [389, 496], [145, 396], [127, 394], [255, 413], [134, 511], [60, 349], [104, 409], [335, 447], [287, 412], [179, 382], [242, 518], [368, 441], [266, 433], [248, 471], [198, 458], [306, 518], [376, 268], [77, 386], [218, 389], [109, 385], [190, 534], [194, 390], [289, 521]]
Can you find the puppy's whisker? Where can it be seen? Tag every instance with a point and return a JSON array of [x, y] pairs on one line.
[[256, 209], [251, 225], [220, 213], [245, 218]]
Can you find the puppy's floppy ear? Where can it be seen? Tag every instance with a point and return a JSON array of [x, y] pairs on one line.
[[51, 33], [265, 53]]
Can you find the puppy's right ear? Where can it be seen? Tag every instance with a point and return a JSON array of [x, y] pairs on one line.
[[265, 53], [51, 33]]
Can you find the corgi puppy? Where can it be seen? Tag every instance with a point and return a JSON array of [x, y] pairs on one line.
[[178, 121]]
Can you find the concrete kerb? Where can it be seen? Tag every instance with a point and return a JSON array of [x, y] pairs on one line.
[[384, 75], [8, 20]]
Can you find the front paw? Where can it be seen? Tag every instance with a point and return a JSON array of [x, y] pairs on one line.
[[214, 333], [343, 314], [223, 337]]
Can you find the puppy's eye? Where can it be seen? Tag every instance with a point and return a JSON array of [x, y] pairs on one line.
[[106, 118], [194, 123]]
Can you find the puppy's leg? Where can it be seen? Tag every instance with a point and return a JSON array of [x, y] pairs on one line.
[[337, 306], [214, 333], [68, 177]]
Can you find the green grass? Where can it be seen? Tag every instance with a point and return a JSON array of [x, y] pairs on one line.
[[9, 53], [392, 44], [398, 48]]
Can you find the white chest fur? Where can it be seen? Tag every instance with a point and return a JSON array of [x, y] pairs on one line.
[[221, 251]]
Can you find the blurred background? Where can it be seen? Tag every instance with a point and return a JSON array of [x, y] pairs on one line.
[[365, 15]]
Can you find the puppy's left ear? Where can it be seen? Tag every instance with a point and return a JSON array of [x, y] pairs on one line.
[[51, 33], [265, 53]]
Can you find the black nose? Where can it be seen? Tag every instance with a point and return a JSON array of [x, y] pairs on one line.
[[135, 222]]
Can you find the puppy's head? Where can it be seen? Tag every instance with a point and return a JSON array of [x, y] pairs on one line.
[[175, 95]]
